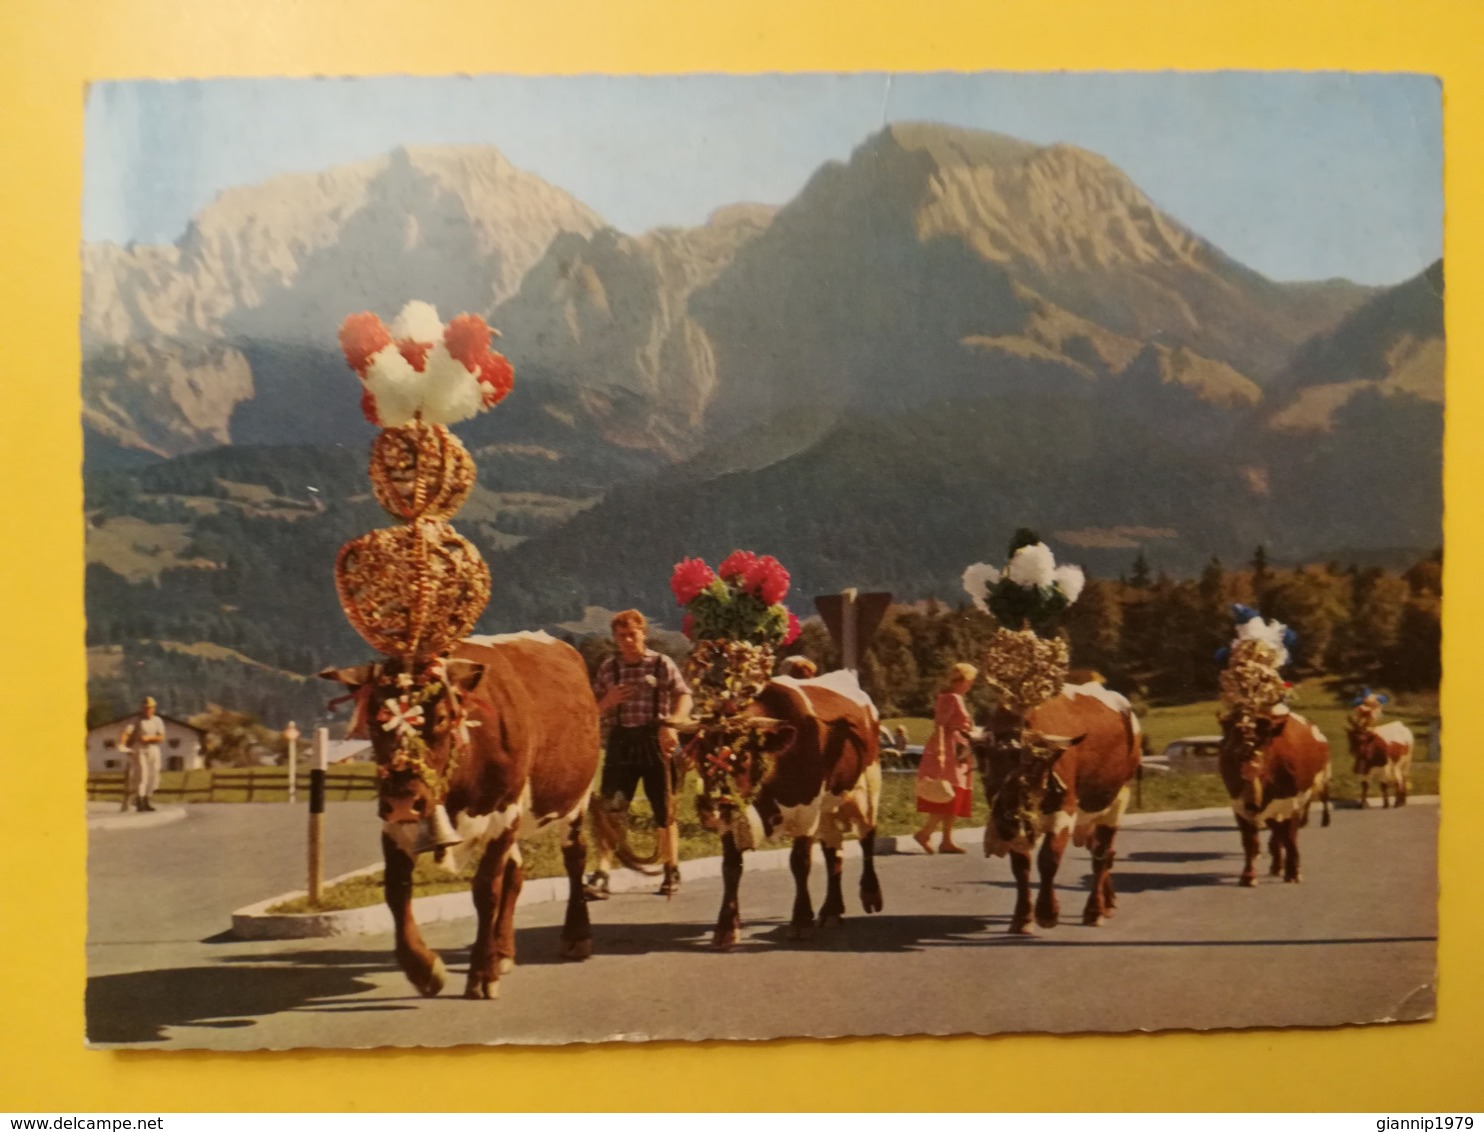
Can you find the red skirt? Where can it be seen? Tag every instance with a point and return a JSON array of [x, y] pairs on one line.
[[962, 805]]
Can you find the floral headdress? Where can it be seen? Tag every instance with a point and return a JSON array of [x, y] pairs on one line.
[[1026, 662], [1251, 684], [736, 618], [415, 589]]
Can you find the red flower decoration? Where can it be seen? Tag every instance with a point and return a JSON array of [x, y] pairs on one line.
[[416, 353], [368, 408], [794, 628], [690, 577], [497, 376], [736, 566], [362, 335], [467, 338], [767, 578]]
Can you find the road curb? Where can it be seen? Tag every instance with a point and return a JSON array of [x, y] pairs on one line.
[[119, 819], [256, 922]]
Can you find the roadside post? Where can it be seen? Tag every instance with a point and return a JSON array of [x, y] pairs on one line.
[[317, 812], [291, 734], [852, 619]]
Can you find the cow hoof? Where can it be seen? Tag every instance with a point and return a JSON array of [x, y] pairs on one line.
[[724, 941], [1048, 921], [800, 931], [577, 949], [1092, 920], [872, 901], [1021, 927], [482, 989], [437, 978], [830, 920], [1248, 880], [1325, 821], [507, 964], [1295, 879]]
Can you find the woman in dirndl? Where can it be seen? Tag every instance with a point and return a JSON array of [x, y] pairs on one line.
[[943, 776]]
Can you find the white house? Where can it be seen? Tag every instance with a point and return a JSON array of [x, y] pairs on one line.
[[181, 749]]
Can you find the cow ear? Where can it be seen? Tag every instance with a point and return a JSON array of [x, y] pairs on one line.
[[351, 677], [464, 674], [779, 738]]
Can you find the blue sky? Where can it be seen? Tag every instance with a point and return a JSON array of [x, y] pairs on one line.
[[1300, 176]]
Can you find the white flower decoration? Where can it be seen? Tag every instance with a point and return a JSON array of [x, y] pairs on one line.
[[450, 391], [419, 321], [1031, 565], [1270, 633], [977, 580], [396, 386], [1069, 580]]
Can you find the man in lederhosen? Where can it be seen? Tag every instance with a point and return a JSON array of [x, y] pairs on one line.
[[642, 697]]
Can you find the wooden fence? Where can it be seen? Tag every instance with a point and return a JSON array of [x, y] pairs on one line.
[[249, 784]]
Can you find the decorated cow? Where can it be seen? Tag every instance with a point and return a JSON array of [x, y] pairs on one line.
[[1273, 762], [776, 756], [1057, 758], [1382, 751], [478, 743]]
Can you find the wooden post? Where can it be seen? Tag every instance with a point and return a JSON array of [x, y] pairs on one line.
[[291, 733], [317, 812], [849, 641]]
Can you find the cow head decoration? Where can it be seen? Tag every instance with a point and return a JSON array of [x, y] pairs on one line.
[[415, 716], [734, 756], [1018, 765], [1245, 739]]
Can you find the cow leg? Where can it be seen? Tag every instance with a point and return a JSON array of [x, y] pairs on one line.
[[1365, 789], [577, 930], [1100, 899], [1275, 848], [833, 910], [489, 881], [1401, 788], [513, 881], [1250, 848], [1020, 866], [729, 922], [1385, 795], [1048, 909], [798, 864], [871, 899], [1290, 841], [1324, 803], [421, 965]]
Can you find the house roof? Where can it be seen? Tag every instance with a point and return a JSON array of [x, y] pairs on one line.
[[133, 715]]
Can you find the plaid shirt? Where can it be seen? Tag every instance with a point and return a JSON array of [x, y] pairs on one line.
[[639, 708]]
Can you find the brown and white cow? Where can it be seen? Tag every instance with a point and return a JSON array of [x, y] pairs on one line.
[[1383, 756], [1273, 766], [1057, 775], [822, 779], [514, 729]]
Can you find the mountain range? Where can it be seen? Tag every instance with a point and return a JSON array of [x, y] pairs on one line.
[[950, 335]]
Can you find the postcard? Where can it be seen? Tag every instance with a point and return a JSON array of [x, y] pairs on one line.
[[616, 558]]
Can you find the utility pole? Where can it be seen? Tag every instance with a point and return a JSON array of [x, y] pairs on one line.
[[317, 813]]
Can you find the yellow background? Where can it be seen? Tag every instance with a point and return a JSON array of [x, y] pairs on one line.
[[49, 50]]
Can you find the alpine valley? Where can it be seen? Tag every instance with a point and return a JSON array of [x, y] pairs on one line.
[[951, 335]]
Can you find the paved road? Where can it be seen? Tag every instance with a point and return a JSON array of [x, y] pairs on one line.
[[1355, 942]]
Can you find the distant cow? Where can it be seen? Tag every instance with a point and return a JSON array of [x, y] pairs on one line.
[[1062, 773], [1273, 767], [523, 712], [822, 778], [1383, 755]]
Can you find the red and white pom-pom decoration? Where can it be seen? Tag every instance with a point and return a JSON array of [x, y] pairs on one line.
[[419, 367]]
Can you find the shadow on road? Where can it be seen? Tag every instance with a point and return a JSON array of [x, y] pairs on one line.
[[140, 1005]]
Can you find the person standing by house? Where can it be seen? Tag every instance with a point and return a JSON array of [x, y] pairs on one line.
[[140, 742], [943, 784], [642, 697]]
